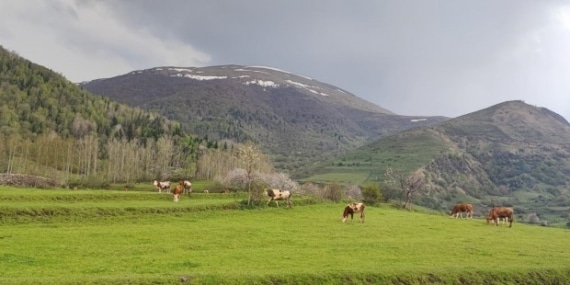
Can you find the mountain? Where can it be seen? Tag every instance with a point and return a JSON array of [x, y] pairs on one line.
[[511, 154], [295, 119]]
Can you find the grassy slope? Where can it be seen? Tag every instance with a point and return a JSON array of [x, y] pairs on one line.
[[306, 244], [405, 152]]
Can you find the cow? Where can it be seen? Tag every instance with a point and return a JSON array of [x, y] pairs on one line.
[[460, 208], [501, 212], [276, 194], [162, 185], [352, 208], [179, 189], [187, 187]]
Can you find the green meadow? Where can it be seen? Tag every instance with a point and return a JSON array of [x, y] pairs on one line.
[[136, 237]]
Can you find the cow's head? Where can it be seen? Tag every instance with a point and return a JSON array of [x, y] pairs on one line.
[[348, 210]]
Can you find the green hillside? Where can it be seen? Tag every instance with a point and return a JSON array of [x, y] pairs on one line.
[[406, 151], [509, 154], [53, 128]]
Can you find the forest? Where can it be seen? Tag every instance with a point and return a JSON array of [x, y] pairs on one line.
[[53, 128]]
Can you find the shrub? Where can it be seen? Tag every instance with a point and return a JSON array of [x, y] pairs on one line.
[[532, 218], [353, 192], [333, 192], [371, 194], [391, 192]]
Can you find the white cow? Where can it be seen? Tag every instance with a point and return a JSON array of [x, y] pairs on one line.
[[187, 187], [276, 194], [162, 185]]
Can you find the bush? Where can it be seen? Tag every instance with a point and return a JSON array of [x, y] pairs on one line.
[[391, 192], [533, 218], [354, 193], [371, 194], [333, 192]]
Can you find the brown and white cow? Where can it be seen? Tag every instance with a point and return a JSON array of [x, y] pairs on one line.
[[352, 208], [179, 189], [162, 185], [501, 212], [187, 187], [276, 194], [460, 208]]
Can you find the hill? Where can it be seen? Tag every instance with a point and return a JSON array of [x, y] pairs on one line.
[[51, 127], [295, 119], [511, 154], [36, 100]]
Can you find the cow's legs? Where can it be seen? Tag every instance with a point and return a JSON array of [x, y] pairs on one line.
[[276, 203]]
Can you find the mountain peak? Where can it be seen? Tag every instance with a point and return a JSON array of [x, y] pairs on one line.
[[515, 120], [265, 77]]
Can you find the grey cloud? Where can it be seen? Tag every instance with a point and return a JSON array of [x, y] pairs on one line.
[[442, 57]]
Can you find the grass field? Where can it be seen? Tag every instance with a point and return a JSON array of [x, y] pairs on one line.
[[111, 237], [369, 163]]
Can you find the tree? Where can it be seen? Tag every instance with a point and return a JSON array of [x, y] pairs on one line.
[[251, 159], [410, 185]]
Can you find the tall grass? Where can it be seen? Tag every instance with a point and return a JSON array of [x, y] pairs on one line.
[[303, 245]]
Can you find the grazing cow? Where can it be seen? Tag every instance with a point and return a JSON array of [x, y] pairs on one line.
[[179, 189], [501, 212], [276, 194], [458, 209], [352, 208], [187, 187], [162, 185]]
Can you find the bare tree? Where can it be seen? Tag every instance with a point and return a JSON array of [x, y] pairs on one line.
[[412, 185]]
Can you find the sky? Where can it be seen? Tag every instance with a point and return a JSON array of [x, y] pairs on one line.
[[412, 57]]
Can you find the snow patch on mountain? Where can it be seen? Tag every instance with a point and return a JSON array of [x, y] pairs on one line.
[[267, 83], [307, 87]]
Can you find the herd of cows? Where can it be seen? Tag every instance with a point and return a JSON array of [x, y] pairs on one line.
[[185, 187], [496, 214]]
